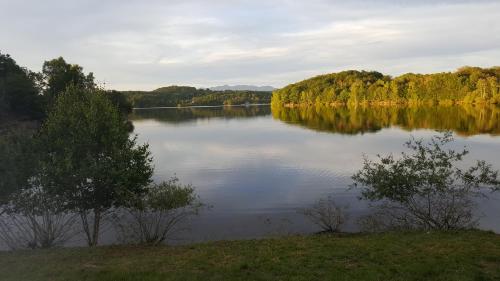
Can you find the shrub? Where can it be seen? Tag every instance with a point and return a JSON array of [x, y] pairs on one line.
[[327, 214], [426, 189], [34, 219], [155, 217]]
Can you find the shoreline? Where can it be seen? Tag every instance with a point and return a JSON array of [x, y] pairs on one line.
[[201, 106], [384, 104]]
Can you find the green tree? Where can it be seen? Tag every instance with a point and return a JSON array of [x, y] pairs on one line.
[[58, 74], [426, 189], [18, 90], [483, 89], [18, 163], [412, 92], [120, 101], [89, 158], [357, 92]]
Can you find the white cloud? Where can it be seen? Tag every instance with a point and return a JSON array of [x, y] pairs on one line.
[[239, 54], [143, 45]]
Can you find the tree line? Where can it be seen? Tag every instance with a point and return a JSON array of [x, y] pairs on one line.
[[27, 94], [191, 96], [466, 85]]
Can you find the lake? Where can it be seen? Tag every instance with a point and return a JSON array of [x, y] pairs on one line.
[[257, 166]]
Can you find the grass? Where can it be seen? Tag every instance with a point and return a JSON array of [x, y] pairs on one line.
[[471, 255]]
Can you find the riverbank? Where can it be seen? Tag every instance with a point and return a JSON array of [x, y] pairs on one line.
[[387, 104], [470, 255]]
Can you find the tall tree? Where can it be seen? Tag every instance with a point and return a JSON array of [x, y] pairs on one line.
[[18, 91], [89, 158], [58, 74]]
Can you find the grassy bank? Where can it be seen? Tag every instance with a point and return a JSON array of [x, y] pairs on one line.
[[470, 255]]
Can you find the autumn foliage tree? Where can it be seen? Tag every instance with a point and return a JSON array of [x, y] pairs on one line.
[[466, 85]]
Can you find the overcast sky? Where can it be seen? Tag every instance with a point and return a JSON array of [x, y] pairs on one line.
[[148, 44]]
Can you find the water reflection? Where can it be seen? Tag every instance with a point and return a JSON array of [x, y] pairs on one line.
[[252, 167], [464, 120], [189, 114]]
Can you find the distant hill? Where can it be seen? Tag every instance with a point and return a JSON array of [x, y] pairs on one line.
[[189, 96], [243, 88], [466, 85]]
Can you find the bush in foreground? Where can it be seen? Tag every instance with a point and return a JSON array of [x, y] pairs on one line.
[[329, 215], [425, 189], [161, 212]]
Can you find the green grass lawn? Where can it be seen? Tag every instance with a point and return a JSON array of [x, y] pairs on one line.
[[471, 255]]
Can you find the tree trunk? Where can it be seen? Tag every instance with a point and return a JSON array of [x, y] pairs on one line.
[[91, 232], [97, 222]]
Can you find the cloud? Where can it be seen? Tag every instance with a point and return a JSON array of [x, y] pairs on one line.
[[243, 54], [144, 45]]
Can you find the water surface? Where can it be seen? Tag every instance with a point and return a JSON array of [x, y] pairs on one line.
[[257, 167]]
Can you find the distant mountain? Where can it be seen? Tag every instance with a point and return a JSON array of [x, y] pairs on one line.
[[243, 88]]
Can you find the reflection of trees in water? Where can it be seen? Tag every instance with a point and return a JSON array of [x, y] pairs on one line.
[[179, 115], [463, 120]]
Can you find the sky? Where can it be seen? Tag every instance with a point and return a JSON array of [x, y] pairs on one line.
[[143, 45]]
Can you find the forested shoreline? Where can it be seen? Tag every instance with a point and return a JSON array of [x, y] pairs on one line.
[[471, 85], [191, 96]]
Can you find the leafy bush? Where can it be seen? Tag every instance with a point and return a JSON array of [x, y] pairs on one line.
[[34, 219], [426, 189], [156, 216]]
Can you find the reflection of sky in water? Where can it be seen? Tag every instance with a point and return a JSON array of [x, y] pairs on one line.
[[260, 165]]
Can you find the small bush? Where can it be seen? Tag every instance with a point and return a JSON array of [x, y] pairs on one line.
[[33, 219], [155, 217], [327, 214]]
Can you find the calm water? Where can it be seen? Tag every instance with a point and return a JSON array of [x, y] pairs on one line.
[[257, 166]]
